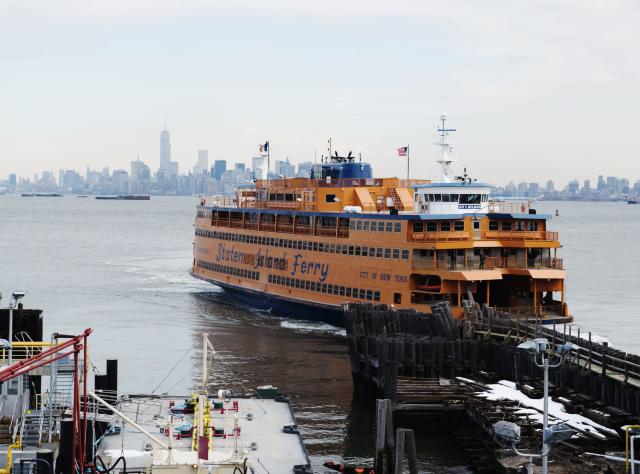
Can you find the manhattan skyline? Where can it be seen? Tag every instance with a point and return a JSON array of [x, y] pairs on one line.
[[530, 88]]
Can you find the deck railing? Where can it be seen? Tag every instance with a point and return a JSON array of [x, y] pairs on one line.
[[22, 350], [519, 235], [439, 236], [488, 263]]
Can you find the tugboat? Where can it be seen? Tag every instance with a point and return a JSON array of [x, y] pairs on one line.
[[302, 247]]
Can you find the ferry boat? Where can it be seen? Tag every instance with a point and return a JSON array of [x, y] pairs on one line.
[[302, 247]]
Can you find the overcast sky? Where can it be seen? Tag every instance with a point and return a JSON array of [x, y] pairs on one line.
[[537, 89]]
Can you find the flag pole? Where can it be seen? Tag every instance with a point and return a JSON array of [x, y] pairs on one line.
[[407, 165]]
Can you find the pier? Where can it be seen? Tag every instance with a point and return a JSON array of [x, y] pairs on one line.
[[433, 365]]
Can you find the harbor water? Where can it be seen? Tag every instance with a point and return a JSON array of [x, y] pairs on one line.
[[121, 268]]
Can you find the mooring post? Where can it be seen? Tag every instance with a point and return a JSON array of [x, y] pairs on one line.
[[384, 435], [405, 446]]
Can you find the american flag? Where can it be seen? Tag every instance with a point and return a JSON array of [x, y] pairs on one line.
[[403, 151]]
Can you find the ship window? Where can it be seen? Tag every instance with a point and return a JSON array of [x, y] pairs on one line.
[[506, 225], [362, 294], [379, 252], [445, 226], [365, 251], [445, 198], [396, 227], [297, 283], [470, 199], [330, 198], [417, 226], [336, 289], [320, 247], [432, 226], [397, 298], [389, 227], [485, 197], [369, 295], [341, 290], [307, 285], [454, 197], [372, 251], [357, 250], [358, 225], [315, 246], [351, 250], [348, 292], [380, 226], [338, 248], [405, 254], [476, 225], [387, 253], [458, 225], [365, 225], [332, 248], [396, 253], [313, 286], [330, 288], [376, 296], [519, 225], [304, 245], [324, 287], [493, 225], [533, 225]]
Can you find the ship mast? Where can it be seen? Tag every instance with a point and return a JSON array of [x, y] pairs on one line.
[[446, 146]]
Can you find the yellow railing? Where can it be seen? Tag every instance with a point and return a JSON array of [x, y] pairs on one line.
[[23, 350]]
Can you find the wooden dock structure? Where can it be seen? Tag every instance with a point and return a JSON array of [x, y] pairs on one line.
[[423, 363]]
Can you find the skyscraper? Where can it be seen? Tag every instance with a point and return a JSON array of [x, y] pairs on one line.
[[203, 161], [165, 150], [219, 167]]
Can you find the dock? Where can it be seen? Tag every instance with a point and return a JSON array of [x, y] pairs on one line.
[[433, 365]]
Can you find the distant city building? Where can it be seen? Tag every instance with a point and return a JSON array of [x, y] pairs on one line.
[[165, 149], [13, 179], [259, 167], [612, 183], [203, 162], [240, 167], [140, 178], [285, 169], [550, 187], [120, 181], [587, 185], [219, 167], [573, 187], [304, 169], [602, 185]]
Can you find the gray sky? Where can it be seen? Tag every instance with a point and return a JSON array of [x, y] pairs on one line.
[[536, 89]]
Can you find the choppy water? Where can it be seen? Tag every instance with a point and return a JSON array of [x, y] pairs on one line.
[[121, 267]]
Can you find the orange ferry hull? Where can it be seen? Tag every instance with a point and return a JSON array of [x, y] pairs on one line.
[[280, 305]]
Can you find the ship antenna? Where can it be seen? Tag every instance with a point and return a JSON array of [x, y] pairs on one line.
[[446, 146]]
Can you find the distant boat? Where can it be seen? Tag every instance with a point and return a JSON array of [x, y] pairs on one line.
[[633, 201], [81, 195], [41, 195], [127, 197]]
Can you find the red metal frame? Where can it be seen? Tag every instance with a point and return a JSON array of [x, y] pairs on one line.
[[77, 344]]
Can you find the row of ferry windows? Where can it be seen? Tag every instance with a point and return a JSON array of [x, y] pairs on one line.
[[327, 288], [446, 226], [239, 272], [358, 250], [514, 225], [459, 198], [435, 226], [375, 226]]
